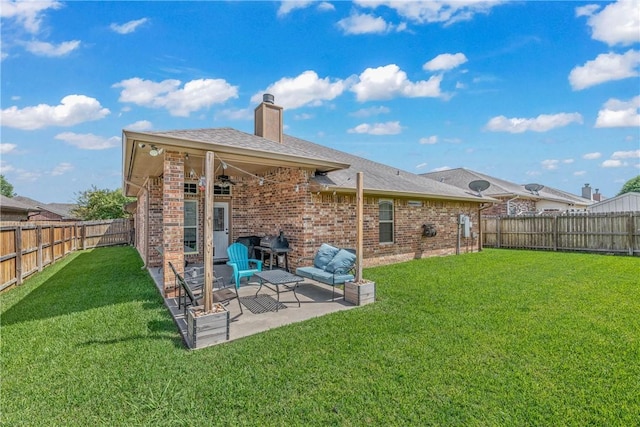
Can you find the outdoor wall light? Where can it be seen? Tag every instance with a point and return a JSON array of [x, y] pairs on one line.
[[141, 145], [155, 151]]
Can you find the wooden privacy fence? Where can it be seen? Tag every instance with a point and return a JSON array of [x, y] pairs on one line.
[[617, 233], [29, 247]]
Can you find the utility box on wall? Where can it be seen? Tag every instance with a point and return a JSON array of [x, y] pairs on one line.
[[466, 224]]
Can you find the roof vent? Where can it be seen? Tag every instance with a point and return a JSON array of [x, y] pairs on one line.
[[268, 98]]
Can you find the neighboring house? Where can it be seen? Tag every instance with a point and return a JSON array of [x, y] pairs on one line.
[[14, 210], [515, 199], [271, 182], [49, 211], [627, 202]]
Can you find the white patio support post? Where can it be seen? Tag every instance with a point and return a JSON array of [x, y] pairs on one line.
[[359, 225], [208, 232]]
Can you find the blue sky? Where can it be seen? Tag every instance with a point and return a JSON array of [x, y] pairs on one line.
[[529, 91]]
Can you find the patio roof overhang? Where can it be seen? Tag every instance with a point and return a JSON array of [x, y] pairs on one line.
[[403, 194], [138, 165]]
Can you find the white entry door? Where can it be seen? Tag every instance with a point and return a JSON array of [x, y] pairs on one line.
[[220, 230]]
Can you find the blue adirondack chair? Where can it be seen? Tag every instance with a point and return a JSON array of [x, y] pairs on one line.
[[243, 266]]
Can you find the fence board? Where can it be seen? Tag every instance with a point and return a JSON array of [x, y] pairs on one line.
[[617, 233], [29, 247]]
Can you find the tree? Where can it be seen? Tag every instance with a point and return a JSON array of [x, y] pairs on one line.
[[6, 189], [101, 204], [631, 186]]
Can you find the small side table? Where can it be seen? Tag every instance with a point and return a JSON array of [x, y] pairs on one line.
[[279, 278]]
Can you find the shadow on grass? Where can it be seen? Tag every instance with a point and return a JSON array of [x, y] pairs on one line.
[[97, 278]]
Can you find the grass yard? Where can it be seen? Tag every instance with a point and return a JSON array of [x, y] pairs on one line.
[[505, 338]]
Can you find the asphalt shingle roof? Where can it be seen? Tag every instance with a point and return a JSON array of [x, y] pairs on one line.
[[377, 176]]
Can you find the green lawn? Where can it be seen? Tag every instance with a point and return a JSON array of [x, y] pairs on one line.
[[502, 337]]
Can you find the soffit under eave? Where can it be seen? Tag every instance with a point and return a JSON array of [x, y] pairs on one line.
[[402, 194], [229, 154]]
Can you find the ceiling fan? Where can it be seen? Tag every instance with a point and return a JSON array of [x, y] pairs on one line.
[[225, 180]]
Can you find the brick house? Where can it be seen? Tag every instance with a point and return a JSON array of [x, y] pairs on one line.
[[270, 182], [15, 210], [49, 211], [514, 199]]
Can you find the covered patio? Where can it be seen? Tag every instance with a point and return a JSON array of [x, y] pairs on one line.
[[315, 300]]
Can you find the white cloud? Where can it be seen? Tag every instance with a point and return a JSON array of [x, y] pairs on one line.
[[606, 67], [27, 13], [305, 89], [303, 116], [390, 81], [421, 165], [388, 128], [617, 113], [326, 6], [289, 5], [592, 156], [550, 164], [634, 154], [542, 123], [579, 173], [127, 27], [61, 169], [195, 95], [236, 114], [140, 125], [6, 148], [430, 140], [445, 61], [89, 141], [447, 11], [5, 167], [48, 49], [28, 175], [617, 23], [371, 111], [612, 164], [364, 24], [441, 168], [73, 109]]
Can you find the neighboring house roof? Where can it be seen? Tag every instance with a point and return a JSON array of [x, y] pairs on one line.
[[340, 167], [461, 177], [627, 202], [12, 204], [63, 210]]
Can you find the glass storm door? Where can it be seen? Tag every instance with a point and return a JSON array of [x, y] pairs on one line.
[[220, 230]]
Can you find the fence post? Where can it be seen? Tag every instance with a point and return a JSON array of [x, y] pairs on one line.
[[498, 231], [630, 230], [52, 241], [18, 243], [555, 232], [84, 236], [39, 243]]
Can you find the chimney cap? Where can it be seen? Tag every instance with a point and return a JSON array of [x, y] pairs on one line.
[[268, 98]]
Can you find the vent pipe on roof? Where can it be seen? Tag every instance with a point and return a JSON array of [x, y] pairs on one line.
[[268, 98]]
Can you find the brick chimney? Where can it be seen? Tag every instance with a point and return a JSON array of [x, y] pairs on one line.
[[268, 119], [586, 192], [597, 196]]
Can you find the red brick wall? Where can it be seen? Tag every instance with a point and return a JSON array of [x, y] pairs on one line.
[[173, 217], [518, 205]]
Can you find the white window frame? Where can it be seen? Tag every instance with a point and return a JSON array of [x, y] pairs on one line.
[[185, 226], [381, 221]]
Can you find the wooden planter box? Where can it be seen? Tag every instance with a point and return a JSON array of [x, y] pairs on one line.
[[204, 330], [360, 293]]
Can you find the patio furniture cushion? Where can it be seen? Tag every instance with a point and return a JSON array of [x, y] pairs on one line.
[[324, 255], [342, 262], [331, 266]]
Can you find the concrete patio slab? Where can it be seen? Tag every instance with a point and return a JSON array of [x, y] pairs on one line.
[[315, 300]]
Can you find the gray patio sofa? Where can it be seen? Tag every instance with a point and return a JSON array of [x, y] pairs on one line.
[[332, 266]]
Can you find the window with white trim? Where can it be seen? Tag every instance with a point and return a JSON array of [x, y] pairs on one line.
[[191, 226], [385, 221]]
